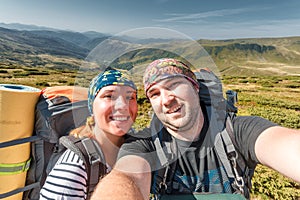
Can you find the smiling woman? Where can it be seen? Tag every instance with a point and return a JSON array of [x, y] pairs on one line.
[[112, 100], [115, 108]]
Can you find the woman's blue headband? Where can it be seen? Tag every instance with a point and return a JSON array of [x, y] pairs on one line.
[[109, 77]]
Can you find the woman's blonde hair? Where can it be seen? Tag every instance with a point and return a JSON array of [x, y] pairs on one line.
[[85, 130]]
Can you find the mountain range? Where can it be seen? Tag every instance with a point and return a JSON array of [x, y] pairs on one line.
[[248, 56]]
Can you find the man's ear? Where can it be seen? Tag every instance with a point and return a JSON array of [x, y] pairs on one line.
[[197, 90]]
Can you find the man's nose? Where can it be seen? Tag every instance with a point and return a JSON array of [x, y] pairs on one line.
[[167, 97]]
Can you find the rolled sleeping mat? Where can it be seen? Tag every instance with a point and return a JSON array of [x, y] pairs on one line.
[[17, 112]]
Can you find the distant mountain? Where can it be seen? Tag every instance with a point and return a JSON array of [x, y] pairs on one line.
[[25, 27], [253, 56], [94, 34], [33, 42], [242, 57], [267, 56], [88, 39], [142, 41]]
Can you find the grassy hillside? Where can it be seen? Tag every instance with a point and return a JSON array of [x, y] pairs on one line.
[[247, 57], [30, 43], [265, 73], [277, 99], [240, 57], [265, 56], [273, 97]]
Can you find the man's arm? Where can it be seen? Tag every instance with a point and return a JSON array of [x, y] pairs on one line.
[[130, 179], [279, 148]]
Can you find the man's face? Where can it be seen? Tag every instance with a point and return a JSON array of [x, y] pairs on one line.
[[175, 101]]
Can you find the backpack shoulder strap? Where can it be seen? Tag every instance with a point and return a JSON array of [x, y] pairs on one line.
[[231, 159], [91, 154], [166, 150], [167, 171], [241, 166], [220, 112], [230, 132]]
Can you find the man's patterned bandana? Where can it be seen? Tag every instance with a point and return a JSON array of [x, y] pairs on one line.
[[164, 68], [109, 77]]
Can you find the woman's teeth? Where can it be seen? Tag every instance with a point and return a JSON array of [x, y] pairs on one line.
[[120, 118]]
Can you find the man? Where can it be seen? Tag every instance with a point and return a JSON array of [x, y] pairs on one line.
[[172, 89]]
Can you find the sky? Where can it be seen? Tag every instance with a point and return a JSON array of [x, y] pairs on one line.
[[198, 19]]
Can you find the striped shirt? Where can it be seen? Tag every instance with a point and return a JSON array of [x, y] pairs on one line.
[[67, 179]]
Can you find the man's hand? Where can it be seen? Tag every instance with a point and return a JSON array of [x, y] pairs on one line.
[[117, 185], [130, 179]]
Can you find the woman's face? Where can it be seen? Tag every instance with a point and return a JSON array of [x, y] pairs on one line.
[[115, 109]]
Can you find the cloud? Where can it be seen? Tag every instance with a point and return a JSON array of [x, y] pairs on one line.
[[249, 29], [200, 17]]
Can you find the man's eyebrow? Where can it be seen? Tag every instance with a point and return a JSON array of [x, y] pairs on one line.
[[170, 81], [166, 83], [150, 90], [131, 92]]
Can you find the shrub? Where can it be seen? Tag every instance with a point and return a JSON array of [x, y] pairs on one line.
[[292, 86], [62, 81], [267, 84], [44, 84], [270, 184], [3, 71], [243, 81]]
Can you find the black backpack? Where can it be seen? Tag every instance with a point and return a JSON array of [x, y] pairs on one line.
[[222, 111], [55, 116]]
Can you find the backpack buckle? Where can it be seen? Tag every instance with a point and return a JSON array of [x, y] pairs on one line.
[[239, 181]]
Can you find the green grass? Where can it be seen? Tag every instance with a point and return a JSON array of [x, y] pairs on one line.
[[280, 104], [276, 98]]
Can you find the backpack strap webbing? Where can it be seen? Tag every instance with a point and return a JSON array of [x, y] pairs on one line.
[[229, 156], [160, 152], [91, 154], [19, 141], [168, 169], [229, 128], [242, 168], [7, 169], [167, 155], [16, 168], [19, 190]]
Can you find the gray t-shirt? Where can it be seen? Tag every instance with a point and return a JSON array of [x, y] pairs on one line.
[[198, 166]]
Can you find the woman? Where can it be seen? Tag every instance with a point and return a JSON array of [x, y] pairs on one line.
[[113, 106]]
